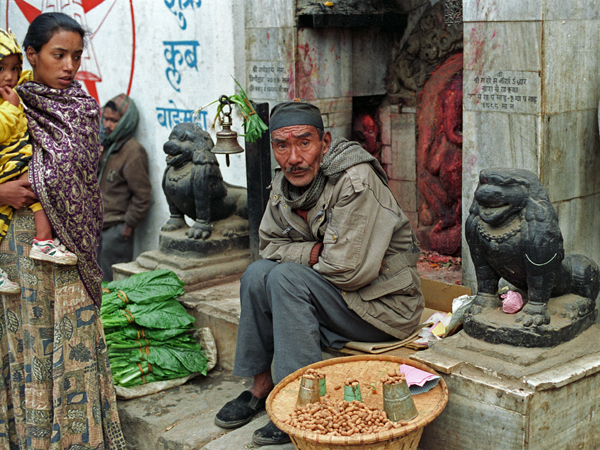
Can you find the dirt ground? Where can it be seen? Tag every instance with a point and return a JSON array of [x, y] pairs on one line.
[[438, 267]]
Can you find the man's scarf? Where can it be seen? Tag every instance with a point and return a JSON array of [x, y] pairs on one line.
[[342, 155], [64, 126], [125, 128]]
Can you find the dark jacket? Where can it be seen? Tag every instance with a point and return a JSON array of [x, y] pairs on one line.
[[125, 185]]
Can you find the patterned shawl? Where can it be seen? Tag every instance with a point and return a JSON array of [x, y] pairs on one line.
[[64, 126]]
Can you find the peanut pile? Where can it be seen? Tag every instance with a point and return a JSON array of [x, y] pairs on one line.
[[351, 382], [313, 374], [340, 419], [393, 377]]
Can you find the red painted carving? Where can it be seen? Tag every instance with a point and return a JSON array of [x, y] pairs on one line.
[[366, 132], [439, 159]]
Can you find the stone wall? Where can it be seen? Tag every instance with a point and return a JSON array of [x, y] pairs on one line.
[[531, 91]]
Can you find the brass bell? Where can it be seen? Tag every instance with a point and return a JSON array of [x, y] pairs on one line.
[[227, 143]]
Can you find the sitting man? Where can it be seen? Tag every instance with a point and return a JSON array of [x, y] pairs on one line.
[[339, 262], [124, 182]]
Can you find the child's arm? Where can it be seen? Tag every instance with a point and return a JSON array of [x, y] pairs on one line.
[[11, 116]]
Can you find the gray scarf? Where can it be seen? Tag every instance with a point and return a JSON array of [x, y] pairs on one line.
[[342, 155]]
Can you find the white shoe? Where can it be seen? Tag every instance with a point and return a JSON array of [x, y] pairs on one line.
[[53, 251], [7, 286]]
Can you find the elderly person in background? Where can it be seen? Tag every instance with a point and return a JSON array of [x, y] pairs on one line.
[[124, 182], [339, 262]]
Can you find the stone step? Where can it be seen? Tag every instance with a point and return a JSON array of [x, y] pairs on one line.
[[182, 418]]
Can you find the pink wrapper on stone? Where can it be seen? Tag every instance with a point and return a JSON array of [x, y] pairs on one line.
[[512, 303]]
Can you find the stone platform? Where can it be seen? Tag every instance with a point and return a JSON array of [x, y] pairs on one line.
[[511, 398], [196, 272]]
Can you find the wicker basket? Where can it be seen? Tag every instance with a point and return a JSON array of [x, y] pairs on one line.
[[368, 369]]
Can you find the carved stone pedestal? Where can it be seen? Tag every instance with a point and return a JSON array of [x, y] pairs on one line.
[[513, 398], [569, 316], [221, 258]]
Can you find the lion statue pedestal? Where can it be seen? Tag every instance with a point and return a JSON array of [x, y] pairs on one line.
[[513, 233]]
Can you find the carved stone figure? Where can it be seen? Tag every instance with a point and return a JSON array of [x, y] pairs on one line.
[[513, 233], [193, 183], [430, 43], [439, 159]]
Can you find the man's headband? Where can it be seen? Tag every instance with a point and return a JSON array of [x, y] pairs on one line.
[[288, 114]]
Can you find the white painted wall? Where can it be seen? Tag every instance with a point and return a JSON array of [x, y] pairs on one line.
[[213, 28]]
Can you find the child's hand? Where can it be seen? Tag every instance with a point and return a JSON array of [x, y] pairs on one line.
[[9, 95]]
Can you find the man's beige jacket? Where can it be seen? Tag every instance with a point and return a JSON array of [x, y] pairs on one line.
[[369, 251]]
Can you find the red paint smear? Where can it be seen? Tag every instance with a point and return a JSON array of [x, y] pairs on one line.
[[292, 88], [132, 47], [494, 35]]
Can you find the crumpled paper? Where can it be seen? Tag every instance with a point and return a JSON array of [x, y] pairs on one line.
[[418, 380], [512, 303]]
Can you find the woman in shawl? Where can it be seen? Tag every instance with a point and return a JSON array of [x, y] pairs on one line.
[[56, 388]]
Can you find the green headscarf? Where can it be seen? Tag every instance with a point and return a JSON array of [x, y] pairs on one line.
[[124, 129]]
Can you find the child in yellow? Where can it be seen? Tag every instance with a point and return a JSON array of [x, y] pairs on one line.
[[15, 154]]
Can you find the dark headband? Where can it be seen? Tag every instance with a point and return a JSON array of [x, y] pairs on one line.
[[295, 113]]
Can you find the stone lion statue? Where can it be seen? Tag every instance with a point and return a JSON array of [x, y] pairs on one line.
[[513, 233], [193, 183]]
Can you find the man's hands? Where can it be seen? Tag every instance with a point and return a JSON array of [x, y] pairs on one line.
[[17, 193], [9, 95], [127, 231]]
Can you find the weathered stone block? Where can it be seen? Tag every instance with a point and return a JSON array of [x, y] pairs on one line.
[[403, 131], [519, 399], [261, 48], [571, 10], [570, 163], [324, 64], [280, 13], [571, 59], [370, 50], [218, 308], [503, 46], [499, 10]]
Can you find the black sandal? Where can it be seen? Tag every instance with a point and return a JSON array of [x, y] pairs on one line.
[[240, 411], [270, 434]]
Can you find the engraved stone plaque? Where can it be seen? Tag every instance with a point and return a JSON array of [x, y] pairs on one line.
[[268, 80], [502, 91]]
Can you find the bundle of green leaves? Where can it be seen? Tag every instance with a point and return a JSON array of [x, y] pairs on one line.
[[149, 334]]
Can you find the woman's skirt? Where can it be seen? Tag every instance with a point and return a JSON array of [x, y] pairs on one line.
[[56, 388]]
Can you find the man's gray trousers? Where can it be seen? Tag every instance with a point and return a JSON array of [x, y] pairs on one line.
[[288, 312], [113, 248]]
